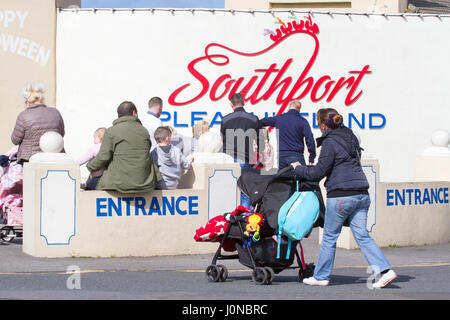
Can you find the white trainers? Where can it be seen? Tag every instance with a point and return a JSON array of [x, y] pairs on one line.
[[385, 279], [314, 282]]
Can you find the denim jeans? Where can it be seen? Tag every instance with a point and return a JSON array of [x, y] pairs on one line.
[[338, 209], [286, 160], [245, 201]]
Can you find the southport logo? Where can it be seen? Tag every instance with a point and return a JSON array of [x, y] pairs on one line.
[[286, 88]]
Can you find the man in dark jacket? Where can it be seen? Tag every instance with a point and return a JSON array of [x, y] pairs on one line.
[[292, 130], [239, 131]]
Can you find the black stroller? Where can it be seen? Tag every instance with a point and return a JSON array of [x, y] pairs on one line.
[[267, 194]]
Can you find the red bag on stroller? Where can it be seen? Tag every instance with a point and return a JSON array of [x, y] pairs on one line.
[[214, 229]]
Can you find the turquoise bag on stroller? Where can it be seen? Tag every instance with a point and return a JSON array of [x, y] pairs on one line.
[[296, 217]]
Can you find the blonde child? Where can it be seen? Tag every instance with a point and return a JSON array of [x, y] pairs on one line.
[[91, 182]]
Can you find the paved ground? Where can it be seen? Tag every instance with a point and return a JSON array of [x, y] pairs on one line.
[[424, 273]]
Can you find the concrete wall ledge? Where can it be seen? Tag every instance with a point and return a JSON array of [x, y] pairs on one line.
[[406, 213], [61, 220]]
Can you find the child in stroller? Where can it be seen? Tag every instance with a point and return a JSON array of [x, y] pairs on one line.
[[11, 196], [267, 193]]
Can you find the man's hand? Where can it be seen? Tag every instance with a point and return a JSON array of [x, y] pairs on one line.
[[311, 163], [295, 164]]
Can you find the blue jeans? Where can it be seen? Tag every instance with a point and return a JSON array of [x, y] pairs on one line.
[[286, 160], [338, 210], [245, 201]]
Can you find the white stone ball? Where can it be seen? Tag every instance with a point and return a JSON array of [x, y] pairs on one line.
[[209, 142], [51, 142], [440, 138]]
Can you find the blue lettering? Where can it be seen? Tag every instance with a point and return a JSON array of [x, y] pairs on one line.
[[398, 197], [409, 191], [181, 212], [379, 126], [395, 197], [154, 207], [266, 114], [441, 200], [361, 124], [215, 121], [389, 197], [139, 204], [165, 116], [101, 206], [117, 209], [193, 205], [375, 120], [315, 124], [175, 121], [434, 196], [426, 196], [446, 195], [128, 201], [417, 196], [166, 205], [194, 118]]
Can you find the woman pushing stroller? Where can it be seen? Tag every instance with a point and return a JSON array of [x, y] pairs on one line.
[[347, 198]]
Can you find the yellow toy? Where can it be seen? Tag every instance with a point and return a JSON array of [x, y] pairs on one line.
[[253, 225]]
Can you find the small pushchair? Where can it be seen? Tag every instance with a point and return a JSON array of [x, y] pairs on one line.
[[267, 194], [11, 197]]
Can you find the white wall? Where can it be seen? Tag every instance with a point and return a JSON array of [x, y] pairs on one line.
[[104, 58]]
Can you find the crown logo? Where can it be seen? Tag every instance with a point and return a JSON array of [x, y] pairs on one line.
[[296, 26]]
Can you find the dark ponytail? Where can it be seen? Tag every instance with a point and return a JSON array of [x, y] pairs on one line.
[[334, 120], [330, 117]]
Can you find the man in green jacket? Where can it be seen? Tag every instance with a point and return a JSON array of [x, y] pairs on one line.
[[125, 155]]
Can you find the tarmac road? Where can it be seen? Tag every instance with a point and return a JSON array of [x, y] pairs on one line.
[[423, 273]]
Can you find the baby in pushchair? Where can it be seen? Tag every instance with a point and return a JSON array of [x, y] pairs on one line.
[[11, 196], [263, 255]]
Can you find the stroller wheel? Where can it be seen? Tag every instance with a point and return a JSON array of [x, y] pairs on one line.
[[270, 275], [223, 273], [7, 235], [213, 273], [308, 272], [260, 276]]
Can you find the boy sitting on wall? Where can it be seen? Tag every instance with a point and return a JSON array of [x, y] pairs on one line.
[[169, 159]]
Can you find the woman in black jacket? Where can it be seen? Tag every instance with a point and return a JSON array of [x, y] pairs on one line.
[[347, 198]]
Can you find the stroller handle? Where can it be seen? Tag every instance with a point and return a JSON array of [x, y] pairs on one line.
[[284, 170], [232, 218]]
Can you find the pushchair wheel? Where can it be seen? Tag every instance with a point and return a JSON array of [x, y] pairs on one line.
[[7, 235], [223, 273], [217, 273], [260, 276], [213, 273], [308, 272], [270, 274]]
